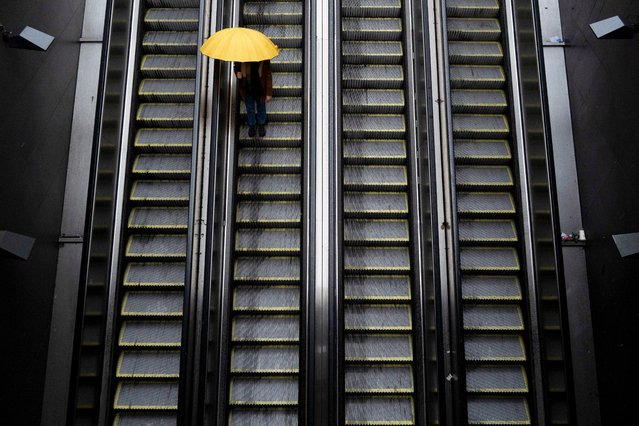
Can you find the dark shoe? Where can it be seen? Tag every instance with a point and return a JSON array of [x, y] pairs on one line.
[[262, 130], [251, 131]]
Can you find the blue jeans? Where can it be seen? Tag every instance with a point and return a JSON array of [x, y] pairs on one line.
[[251, 102]]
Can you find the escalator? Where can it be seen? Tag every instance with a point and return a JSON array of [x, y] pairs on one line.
[[379, 344], [150, 292], [494, 330], [262, 356]]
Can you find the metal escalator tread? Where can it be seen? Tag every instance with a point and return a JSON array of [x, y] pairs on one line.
[[264, 346], [493, 321], [377, 315], [151, 300]]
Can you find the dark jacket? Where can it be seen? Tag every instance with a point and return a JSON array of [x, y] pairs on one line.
[[266, 78]]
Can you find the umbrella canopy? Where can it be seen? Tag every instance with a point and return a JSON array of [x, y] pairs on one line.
[[239, 44]]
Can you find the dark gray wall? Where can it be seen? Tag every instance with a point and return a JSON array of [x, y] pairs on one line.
[[36, 98], [603, 78]]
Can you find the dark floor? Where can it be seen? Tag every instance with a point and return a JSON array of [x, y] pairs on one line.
[[603, 77], [36, 94]]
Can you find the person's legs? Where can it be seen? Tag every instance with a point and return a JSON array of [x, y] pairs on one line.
[[261, 116], [261, 111], [249, 101]]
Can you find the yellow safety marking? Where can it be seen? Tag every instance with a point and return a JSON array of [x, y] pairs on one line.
[[407, 327], [261, 403], [503, 268], [129, 251], [503, 239], [123, 343], [509, 182]]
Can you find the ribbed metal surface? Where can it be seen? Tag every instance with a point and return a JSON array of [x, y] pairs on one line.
[[151, 299], [493, 319], [265, 324], [377, 301]]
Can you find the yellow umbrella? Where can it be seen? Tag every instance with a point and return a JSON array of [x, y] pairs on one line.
[[239, 44]]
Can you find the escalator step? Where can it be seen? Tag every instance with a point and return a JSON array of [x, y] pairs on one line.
[[154, 274], [137, 419], [149, 364], [377, 288], [156, 246], [264, 186], [172, 19], [373, 101], [376, 8], [377, 318], [473, 29], [267, 241], [485, 203], [380, 231], [392, 178], [266, 299], [170, 42], [372, 259], [280, 12], [155, 218], [284, 36], [167, 90], [277, 134], [477, 76], [389, 379], [478, 101], [289, 60], [475, 52], [282, 109], [382, 151], [493, 317], [496, 379], [263, 391], [376, 204], [498, 411], [489, 259], [372, 52], [373, 76], [165, 140], [150, 334], [257, 417], [268, 213], [147, 303], [173, 3], [494, 348], [490, 288], [378, 348], [467, 151], [380, 29], [265, 359], [265, 328], [287, 84], [165, 115], [492, 177], [379, 411], [493, 231], [473, 8], [162, 166], [480, 126], [168, 66], [270, 159], [270, 269], [146, 396], [375, 126]]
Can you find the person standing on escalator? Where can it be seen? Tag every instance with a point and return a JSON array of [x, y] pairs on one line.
[[256, 89]]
